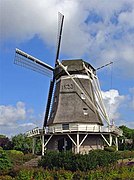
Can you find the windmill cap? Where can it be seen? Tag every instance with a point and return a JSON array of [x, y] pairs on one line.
[[74, 66]]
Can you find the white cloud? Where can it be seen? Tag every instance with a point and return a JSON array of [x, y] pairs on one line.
[[16, 129], [16, 119], [125, 18], [100, 29], [113, 100], [10, 114]]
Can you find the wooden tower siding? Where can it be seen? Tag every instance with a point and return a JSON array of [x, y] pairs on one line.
[[69, 104]]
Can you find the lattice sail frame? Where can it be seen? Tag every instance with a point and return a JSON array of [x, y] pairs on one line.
[[25, 60]]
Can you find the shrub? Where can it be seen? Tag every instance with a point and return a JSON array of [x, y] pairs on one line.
[[110, 148], [25, 174], [5, 162], [62, 174], [18, 157], [41, 174], [6, 177], [12, 152], [74, 162], [126, 157], [126, 154]]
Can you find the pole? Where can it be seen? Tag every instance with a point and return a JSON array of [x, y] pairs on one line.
[[33, 147], [78, 143], [110, 137], [42, 145], [116, 141]]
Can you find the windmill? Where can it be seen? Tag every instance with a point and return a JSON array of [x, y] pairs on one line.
[[75, 113]]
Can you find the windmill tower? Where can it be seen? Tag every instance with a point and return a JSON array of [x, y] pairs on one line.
[[75, 114]]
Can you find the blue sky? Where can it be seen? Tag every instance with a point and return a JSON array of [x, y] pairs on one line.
[[97, 31]]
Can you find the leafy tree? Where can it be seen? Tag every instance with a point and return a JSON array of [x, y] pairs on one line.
[[2, 136], [22, 143], [5, 142], [127, 134]]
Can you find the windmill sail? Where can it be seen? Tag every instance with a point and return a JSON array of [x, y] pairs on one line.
[[60, 27], [51, 88], [25, 60]]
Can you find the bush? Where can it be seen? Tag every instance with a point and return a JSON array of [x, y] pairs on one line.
[[126, 154], [74, 162], [25, 174], [5, 162], [110, 148], [6, 177], [12, 152], [18, 158]]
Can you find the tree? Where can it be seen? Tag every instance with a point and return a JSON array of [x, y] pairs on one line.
[[129, 135], [5, 142], [127, 132], [22, 143]]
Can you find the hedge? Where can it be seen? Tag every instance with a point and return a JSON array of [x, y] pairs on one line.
[[75, 162]]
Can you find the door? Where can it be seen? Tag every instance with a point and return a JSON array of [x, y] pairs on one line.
[[64, 144]]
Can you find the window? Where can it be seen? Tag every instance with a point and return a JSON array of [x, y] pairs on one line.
[[85, 111], [65, 126]]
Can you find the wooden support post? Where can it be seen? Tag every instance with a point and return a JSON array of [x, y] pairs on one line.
[[83, 139], [116, 142], [47, 141], [33, 147], [42, 145], [72, 139], [78, 143], [105, 140], [110, 139]]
